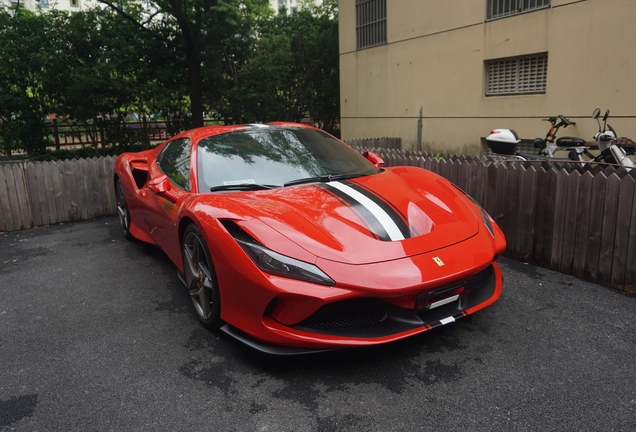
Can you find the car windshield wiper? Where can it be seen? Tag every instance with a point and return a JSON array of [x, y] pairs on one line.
[[323, 178], [242, 187]]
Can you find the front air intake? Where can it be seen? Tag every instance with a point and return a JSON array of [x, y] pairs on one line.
[[347, 314]]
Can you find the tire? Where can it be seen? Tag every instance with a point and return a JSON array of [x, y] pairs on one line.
[[123, 212], [201, 278]]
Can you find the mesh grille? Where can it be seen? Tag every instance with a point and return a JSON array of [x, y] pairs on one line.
[[480, 278], [348, 314], [527, 74]]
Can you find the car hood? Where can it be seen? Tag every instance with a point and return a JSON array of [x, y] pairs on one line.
[[394, 214]]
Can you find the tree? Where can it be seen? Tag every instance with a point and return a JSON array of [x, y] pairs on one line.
[[201, 26], [25, 59], [293, 70], [114, 68]]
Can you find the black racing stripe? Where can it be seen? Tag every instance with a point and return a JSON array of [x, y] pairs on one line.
[[375, 225], [350, 207], [394, 213], [370, 193]]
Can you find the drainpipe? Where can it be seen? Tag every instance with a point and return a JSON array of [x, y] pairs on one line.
[[419, 132]]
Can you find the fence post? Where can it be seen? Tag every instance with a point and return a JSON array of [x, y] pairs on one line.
[[101, 135], [56, 136], [144, 125]]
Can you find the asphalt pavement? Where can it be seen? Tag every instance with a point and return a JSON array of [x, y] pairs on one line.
[[98, 334]]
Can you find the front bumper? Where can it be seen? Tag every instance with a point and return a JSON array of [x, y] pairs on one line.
[[371, 321]]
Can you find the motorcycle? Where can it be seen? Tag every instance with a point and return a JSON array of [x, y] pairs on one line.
[[547, 146], [613, 150], [503, 144]]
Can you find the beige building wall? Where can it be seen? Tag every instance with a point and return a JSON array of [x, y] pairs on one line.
[[434, 61]]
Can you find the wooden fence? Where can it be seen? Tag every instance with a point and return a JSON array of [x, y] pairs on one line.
[[42, 193], [580, 221], [377, 143]]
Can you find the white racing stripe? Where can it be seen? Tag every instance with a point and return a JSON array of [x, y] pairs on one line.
[[385, 220]]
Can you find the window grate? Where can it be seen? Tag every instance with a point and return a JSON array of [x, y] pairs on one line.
[[504, 8], [516, 75], [370, 23]]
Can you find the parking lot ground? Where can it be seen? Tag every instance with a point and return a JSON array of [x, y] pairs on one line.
[[98, 334]]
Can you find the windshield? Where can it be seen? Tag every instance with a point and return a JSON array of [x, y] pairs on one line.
[[274, 156]]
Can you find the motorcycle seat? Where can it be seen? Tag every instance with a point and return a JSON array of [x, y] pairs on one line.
[[570, 142]]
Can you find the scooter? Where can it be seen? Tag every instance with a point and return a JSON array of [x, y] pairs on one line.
[[607, 143], [504, 142], [575, 147], [503, 145]]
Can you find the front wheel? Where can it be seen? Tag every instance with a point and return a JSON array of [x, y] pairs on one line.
[[201, 278]]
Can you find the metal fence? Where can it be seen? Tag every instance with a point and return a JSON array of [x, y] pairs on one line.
[[580, 221], [65, 135]]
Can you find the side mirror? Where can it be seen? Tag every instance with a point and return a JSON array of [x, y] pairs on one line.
[[160, 185], [374, 159], [606, 115], [596, 113]]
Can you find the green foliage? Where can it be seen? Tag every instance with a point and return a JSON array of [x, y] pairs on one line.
[[292, 71], [25, 61], [176, 59]]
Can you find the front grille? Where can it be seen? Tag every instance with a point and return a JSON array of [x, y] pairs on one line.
[[347, 314], [479, 279], [372, 318]]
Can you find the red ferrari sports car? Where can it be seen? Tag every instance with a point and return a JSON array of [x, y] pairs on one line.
[[291, 241]]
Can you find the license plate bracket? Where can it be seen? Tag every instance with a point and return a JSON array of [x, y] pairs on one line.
[[436, 298]]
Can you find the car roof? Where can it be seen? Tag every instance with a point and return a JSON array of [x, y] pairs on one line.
[[206, 131]]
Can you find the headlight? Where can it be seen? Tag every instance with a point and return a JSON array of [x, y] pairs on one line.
[[484, 216], [274, 263]]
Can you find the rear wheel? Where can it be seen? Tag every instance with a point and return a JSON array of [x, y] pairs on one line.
[[122, 211], [201, 278]]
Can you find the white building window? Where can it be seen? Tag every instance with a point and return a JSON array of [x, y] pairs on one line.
[[517, 75], [504, 8], [370, 23]]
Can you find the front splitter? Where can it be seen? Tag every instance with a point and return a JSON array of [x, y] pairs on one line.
[[267, 348]]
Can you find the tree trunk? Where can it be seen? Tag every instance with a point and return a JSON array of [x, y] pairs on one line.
[[196, 88], [193, 60]]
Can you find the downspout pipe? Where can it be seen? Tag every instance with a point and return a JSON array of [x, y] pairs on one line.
[[419, 132]]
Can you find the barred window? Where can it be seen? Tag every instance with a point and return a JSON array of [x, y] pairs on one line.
[[517, 75], [504, 8], [370, 23]]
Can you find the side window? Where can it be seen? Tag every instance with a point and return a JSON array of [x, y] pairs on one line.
[[174, 161]]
